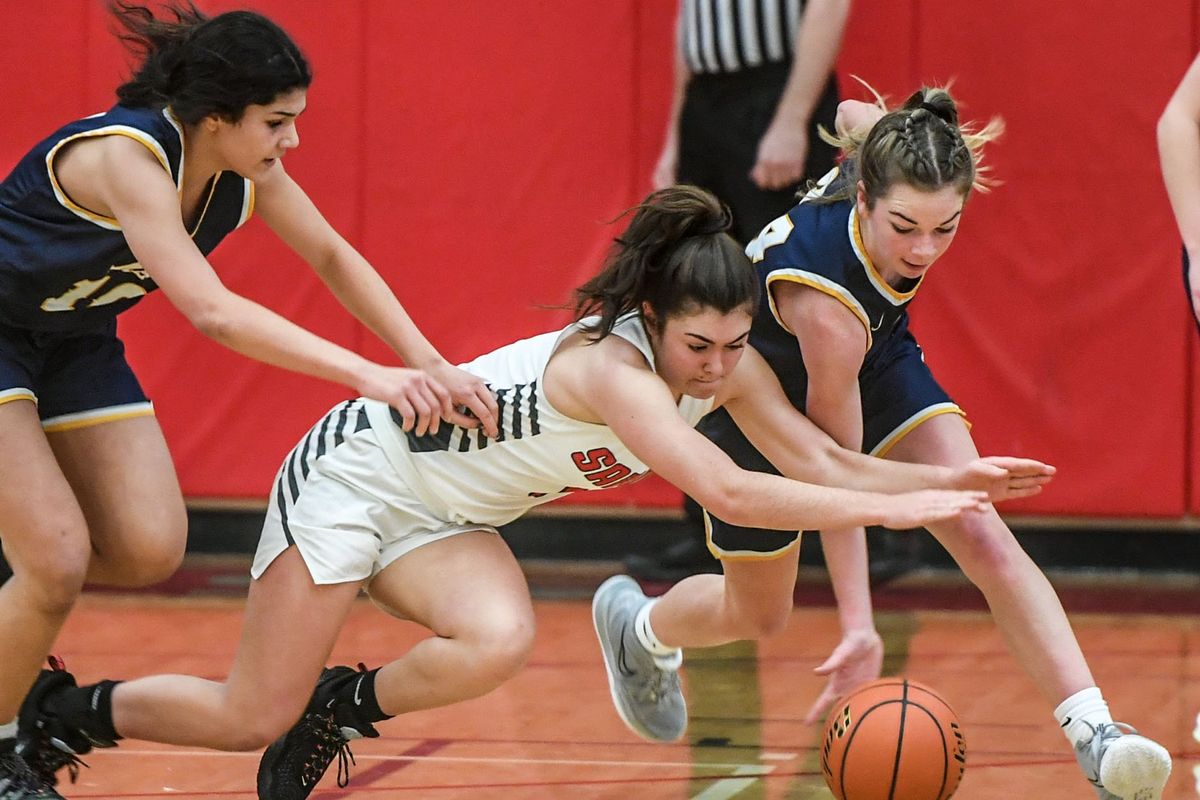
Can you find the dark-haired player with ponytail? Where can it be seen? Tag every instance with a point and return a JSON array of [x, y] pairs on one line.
[[98, 214], [839, 270], [361, 502]]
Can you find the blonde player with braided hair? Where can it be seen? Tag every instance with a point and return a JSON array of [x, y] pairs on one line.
[[839, 270]]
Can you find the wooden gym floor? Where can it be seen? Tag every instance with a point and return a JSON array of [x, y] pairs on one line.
[[552, 733]]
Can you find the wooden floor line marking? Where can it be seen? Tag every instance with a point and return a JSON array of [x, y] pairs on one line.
[[582, 762]]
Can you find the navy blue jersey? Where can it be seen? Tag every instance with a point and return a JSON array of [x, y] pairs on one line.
[[65, 268], [819, 244]]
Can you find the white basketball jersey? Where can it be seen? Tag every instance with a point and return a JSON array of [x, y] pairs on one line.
[[539, 454]]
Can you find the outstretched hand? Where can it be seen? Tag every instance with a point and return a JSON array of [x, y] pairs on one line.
[[424, 398], [419, 399], [916, 509], [858, 658], [467, 391], [1005, 477]]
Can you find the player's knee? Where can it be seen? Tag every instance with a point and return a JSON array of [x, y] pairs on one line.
[[254, 728], [756, 622], [985, 548], [155, 563], [53, 579], [143, 557], [502, 648]]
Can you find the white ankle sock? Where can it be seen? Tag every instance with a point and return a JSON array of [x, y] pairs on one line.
[[8, 731], [1082, 712], [666, 657]]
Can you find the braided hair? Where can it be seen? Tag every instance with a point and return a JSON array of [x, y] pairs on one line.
[[921, 144], [675, 255]]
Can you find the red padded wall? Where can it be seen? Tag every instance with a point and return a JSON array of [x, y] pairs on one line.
[[476, 157]]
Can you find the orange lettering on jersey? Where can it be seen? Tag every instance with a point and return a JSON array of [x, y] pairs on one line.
[[601, 468]]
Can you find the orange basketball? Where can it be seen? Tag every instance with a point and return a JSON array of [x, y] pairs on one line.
[[893, 739]]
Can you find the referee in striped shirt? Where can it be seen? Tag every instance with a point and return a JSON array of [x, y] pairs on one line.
[[753, 80]]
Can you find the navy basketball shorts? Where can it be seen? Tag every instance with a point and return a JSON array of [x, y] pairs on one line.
[[76, 378], [898, 394]]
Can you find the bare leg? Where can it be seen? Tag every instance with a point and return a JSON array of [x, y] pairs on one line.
[[46, 544], [470, 592], [751, 600], [1023, 603], [122, 475], [290, 626]]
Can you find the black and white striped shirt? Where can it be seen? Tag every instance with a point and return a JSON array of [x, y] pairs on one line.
[[733, 35]]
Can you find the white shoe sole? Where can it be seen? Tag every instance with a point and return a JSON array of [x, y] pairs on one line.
[[1135, 768]]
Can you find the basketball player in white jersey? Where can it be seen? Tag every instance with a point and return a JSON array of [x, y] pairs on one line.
[[362, 502]]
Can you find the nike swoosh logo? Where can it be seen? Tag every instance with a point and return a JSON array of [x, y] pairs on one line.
[[357, 686], [624, 670], [331, 702]]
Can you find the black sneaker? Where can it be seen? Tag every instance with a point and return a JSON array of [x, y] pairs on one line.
[[45, 742], [295, 762], [18, 781]]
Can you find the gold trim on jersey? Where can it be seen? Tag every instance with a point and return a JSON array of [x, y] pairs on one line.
[[855, 231], [823, 285], [10, 395], [892, 439], [97, 416], [745, 555], [109, 223], [247, 202], [169, 115]]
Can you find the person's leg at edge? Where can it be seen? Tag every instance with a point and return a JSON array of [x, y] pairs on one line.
[[470, 592], [45, 540], [1026, 609]]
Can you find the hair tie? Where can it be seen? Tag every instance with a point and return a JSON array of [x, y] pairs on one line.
[[931, 109]]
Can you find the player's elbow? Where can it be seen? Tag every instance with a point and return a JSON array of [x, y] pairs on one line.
[[725, 496], [213, 317]]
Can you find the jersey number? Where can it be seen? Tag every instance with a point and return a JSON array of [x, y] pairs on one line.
[[776, 232], [122, 283]]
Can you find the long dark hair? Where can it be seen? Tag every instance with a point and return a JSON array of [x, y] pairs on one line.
[[676, 256], [200, 65]]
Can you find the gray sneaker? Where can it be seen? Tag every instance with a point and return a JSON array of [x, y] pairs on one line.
[[645, 689], [1123, 765]]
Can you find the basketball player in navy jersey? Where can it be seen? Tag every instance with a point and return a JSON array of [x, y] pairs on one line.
[[839, 271], [360, 502], [103, 211]]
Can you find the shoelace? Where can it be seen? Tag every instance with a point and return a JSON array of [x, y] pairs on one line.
[[49, 759], [1102, 734], [330, 743], [19, 779]]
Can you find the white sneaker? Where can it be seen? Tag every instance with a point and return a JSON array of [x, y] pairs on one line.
[[1122, 765]]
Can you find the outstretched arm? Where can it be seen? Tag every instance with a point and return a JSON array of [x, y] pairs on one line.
[[1179, 154], [130, 182], [285, 207], [639, 408], [801, 450]]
